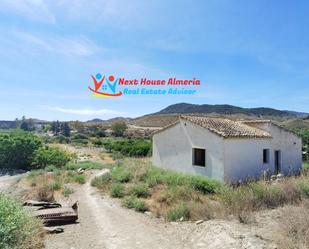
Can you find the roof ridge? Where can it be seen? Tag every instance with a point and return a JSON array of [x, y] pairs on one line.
[[227, 128]]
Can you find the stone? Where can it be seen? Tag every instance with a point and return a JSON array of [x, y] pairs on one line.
[[199, 222]]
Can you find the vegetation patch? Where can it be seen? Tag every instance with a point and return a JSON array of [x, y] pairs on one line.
[[135, 203], [179, 212], [117, 190], [129, 147], [175, 195], [17, 228], [67, 191]]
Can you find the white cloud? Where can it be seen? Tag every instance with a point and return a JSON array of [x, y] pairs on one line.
[[78, 46], [33, 9], [84, 112]]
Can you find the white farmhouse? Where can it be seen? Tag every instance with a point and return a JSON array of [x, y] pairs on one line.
[[227, 150]]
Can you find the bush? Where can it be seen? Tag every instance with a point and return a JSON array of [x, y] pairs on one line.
[[56, 185], [121, 174], [67, 191], [140, 190], [81, 179], [118, 128], [101, 182], [80, 141], [181, 211], [17, 228], [17, 149], [84, 165], [117, 191], [134, 203], [62, 139], [79, 136], [50, 156], [204, 184], [129, 147]]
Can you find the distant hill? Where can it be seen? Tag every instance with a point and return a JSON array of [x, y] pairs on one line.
[[182, 108]]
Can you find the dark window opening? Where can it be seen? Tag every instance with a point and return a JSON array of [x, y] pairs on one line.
[[266, 156], [199, 156]]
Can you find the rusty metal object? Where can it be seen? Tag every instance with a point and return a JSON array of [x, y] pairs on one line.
[[56, 214]]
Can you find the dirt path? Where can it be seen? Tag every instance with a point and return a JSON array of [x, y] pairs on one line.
[[105, 224], [7, 181]]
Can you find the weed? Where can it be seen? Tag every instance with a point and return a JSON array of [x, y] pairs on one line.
[[121, 174], [102, 181], [181, 211], [67, 191], [135, 203], [18, 228], [117, 191], [140, 190], [56, 185], [84, 165]]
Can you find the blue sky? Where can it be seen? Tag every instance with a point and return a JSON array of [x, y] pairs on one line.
[[246, 53]]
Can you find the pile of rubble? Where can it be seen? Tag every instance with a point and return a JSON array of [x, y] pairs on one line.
[[53, 214]]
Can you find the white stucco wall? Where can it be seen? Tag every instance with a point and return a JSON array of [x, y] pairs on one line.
[[227, 159], [244, 158], [289, 146], [172, 149]]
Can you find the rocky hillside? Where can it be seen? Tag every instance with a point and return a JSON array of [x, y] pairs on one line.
[[228, 110]]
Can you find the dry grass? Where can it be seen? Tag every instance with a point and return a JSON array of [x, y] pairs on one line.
[[167, 193], [294, 227]]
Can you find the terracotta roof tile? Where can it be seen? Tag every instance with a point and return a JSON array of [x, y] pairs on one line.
[[228, 128]]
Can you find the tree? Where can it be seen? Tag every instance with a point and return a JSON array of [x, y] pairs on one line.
[[17, 148], [118, 128], [24, 124], [55, 127], [65, 129]]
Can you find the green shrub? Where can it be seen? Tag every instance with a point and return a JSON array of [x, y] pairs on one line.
[[204, 184], [140, 190], [304, 186], [17, 149], [56, 185], [101, 182], [67, 191], [50, 168], [135, 203], [117, 191], [129, 147], [118, 128], [62, 139], [81, 141], [50, 156], [84, 165], [79, 136], [18, 230], [121, 174], [178, 212], [81, 179]]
